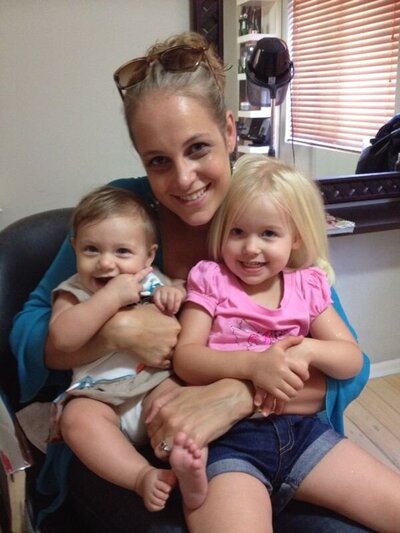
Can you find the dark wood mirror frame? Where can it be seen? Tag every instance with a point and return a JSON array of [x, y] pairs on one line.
[[207, 18], [372, 201]]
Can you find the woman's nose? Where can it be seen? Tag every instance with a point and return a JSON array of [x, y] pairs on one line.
[[185, 175]]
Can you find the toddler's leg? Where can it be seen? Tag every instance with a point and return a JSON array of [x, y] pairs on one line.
[[236, 503], [355, 484], [91, 429], [188, 462]]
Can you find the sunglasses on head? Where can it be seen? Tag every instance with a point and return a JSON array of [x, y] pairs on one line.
[[181, 58]]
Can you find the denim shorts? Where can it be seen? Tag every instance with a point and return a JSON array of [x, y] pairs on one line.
[[278, 450]]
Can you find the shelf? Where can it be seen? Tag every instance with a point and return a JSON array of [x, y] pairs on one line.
[[248, 149], [265, 17], [253, 3], [264, 112], [249, 37], [371, 217]]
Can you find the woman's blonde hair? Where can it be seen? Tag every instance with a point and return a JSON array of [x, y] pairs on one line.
[[107, 201], [202, 84], [297, 195]]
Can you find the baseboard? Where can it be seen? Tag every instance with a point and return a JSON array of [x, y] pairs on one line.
[[386, 368]]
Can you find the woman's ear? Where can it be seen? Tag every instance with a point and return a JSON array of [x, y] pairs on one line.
[[152, 254], [230, 131]]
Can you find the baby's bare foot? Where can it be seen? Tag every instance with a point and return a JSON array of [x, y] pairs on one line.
[[154, 486], [188, 462]]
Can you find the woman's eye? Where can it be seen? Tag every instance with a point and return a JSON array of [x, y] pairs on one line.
[[158, 161], [199, 149]]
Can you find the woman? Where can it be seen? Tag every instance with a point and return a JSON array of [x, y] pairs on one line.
[[175, 112]]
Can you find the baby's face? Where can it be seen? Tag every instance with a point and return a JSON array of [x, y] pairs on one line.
[[106, 248]]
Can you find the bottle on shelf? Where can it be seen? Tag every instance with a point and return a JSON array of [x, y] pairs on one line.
[[254, 25], [244, 22]]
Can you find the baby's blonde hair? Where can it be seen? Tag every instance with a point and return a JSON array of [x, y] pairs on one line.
[[107, 201], [297, 195]]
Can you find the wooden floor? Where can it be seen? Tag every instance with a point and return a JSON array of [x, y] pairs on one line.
[[373, 420]]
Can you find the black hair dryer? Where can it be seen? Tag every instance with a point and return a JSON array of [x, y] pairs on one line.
[[269, 71]]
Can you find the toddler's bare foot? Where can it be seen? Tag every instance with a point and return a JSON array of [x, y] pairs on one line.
[[188, 462], [154, 486]]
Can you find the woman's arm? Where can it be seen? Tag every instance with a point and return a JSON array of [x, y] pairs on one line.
[[205, 413], [30, 328], [332, 348], [74, 323], [197, 364], [142, 330]]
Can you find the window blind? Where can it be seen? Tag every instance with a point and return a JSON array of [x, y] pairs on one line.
[[345, 55]]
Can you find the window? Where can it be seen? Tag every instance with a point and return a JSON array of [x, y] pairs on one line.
[[345, 54]]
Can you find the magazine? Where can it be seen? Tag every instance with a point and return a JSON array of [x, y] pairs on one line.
[[336, 225]]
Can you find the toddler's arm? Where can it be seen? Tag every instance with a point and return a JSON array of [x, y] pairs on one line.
[[332, 348]]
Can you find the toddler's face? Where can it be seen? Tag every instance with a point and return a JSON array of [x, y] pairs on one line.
[[259, 243]]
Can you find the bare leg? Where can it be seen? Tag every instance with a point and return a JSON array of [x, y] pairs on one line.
[[235, 503], [91, 429], [188, 462], [355, 484]]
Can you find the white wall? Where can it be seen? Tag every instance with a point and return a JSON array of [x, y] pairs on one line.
[[61, 119], [367, 270]]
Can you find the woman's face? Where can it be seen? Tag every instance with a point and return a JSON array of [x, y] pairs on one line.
[[185, 155]]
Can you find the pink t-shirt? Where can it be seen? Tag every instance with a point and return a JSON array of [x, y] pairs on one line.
[[239, 323]]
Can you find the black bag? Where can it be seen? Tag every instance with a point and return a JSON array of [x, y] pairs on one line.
[[382, 154]]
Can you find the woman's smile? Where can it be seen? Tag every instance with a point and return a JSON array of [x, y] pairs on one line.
[[193, 197]]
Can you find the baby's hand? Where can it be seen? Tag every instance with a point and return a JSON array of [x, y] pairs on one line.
[[127, 287], [169, 298]]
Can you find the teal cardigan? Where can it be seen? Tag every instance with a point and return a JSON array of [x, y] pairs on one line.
[[29, 334]]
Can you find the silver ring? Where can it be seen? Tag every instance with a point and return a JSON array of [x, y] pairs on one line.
[[164, 446], [273, 406]]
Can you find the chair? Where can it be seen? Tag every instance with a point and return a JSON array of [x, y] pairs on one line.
[[27, 248]]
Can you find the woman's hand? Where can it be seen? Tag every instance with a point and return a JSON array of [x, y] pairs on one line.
[[146, 332], [202, 412], [142, 330]]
